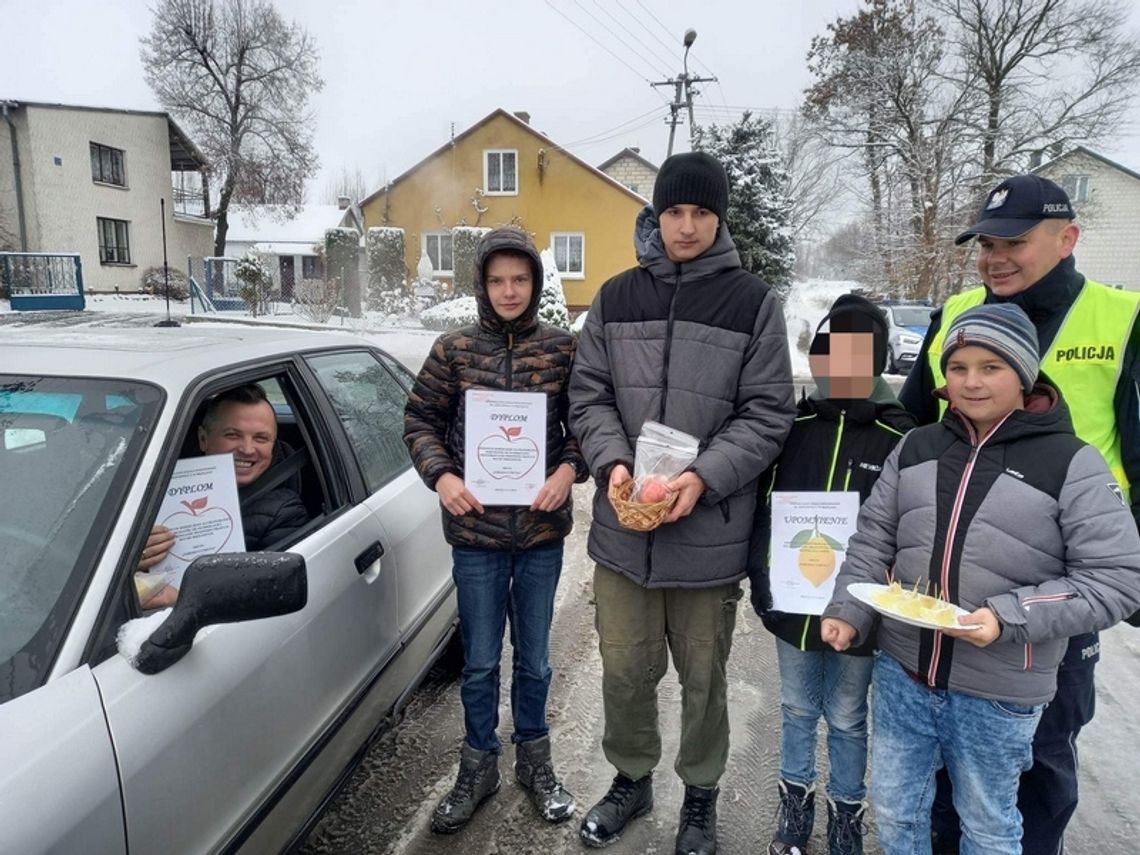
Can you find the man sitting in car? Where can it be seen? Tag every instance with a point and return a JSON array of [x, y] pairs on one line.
[[239, 421]]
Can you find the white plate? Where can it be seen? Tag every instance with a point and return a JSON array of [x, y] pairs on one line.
[[863, 591]]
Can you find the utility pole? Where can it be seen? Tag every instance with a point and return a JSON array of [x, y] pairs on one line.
[[683, 92]]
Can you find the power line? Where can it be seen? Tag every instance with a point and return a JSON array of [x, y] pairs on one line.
[[617, 130], [669, 49], [591, 37], [622, 41], [669, 58]]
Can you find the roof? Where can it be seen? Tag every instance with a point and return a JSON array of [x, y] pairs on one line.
[[184, 155], [170, 357], [511, 117], [1080, 149], [628, 152], [302, 224]]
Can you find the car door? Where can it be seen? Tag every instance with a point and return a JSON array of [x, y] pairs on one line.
[[370, 400], [59, 789], [207, 748]]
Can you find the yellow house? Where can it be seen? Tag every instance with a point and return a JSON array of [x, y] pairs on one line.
[[502, 171]]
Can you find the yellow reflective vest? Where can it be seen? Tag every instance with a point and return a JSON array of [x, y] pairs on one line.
[[1084, 360]]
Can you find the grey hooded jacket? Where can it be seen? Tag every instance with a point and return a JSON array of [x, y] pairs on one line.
[[1028, 522], [701, 347]]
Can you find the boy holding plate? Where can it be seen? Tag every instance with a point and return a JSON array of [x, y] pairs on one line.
[[507, 555], [1000, 509]]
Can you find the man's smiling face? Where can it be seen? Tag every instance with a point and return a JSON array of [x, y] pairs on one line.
[[248, 432]]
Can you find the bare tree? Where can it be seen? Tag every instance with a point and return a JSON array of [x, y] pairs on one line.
[[1051, 71], [348, 182], [240, 78]]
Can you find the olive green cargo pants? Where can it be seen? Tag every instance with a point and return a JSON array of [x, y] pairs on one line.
[[634, 624]]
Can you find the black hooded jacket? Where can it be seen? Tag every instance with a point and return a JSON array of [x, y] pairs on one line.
[[521, 355], [835, 444]]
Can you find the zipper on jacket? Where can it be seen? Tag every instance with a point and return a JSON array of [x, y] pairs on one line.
[[804, 636], [661, 409], [510, 385], [976, 444], [835, 452], [847, 480]]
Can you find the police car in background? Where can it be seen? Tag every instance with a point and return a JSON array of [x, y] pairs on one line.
[[907, 324]]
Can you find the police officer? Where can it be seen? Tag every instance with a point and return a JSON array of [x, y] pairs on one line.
[[1090, 347]]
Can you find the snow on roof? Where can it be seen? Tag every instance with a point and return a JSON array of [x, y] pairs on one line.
[[273, 224]]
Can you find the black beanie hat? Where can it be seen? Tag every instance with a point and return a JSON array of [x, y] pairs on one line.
[[692, 178], [852, 313]]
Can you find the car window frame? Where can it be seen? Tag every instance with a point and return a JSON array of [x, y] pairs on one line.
[[120, 603]]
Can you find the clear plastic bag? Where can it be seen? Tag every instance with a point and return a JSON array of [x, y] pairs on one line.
[[661, 455]]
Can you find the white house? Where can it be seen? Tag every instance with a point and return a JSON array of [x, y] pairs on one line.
[[91, 180], [288, 237], [1106, 197]]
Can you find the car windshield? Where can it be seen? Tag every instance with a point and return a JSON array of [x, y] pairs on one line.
[[68, 447], [911, 316]]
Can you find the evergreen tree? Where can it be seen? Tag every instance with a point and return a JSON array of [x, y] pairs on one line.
[[759, 210], [552, 301]]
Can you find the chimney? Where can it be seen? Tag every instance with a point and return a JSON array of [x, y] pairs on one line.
[[343, 202], [524, 115]]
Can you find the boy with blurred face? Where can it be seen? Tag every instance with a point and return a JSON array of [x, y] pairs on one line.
[[1089, 345], [841, 437]]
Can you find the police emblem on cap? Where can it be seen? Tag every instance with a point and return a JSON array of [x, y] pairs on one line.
[[997, 199]]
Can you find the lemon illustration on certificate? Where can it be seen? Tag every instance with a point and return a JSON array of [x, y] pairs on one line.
[[810, 531], [504, 445]]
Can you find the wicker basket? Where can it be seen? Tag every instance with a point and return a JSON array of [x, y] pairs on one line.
[[636, 515]]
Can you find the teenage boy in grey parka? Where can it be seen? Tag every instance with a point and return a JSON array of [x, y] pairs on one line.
[[690, 339]]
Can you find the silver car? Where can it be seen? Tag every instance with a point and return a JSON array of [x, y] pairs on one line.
[[261, 693]]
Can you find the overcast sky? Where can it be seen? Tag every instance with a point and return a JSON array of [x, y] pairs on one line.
[[399, 73]]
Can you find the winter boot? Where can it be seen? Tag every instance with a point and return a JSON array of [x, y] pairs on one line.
[[794, 819], [535, 772], [696, 834], [845, 827], [626, 800], [478, 779]]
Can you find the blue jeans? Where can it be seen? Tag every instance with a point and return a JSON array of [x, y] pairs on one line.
[[816, 683], [494, 586], [985, 746]]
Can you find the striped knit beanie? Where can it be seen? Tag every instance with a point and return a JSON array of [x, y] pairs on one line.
[[1002, 328]]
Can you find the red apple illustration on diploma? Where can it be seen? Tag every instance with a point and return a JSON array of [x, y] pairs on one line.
[[509, 455], [200, 530]]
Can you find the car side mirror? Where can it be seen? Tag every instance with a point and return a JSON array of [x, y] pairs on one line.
[[225, 588]]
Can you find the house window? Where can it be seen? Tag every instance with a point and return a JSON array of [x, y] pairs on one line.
[[570, 254], [114, 241], [501, 172], [311, 267], [437, 247], [107, 165], [1077, 186]]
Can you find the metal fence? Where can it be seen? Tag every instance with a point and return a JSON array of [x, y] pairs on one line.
[[43, 280]]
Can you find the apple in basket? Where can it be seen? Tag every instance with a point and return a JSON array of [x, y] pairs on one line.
[[653, 491]]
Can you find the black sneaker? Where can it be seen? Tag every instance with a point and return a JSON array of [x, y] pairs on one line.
[[794, 819], [696, 834], [845, 827], [626, 800]]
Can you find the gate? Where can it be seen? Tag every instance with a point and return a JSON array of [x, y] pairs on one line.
[[223, 288], [43, 280]]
